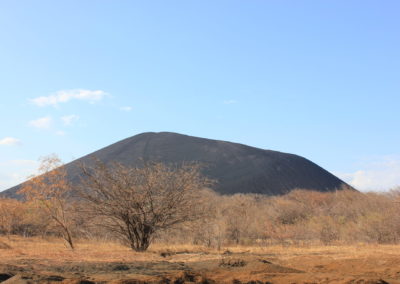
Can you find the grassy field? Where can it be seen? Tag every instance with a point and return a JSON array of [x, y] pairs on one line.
[[49, 260]]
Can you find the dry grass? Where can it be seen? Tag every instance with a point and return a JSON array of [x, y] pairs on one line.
[[56, 250]]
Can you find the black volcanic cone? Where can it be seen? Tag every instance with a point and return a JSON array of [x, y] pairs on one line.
[[237, 168]]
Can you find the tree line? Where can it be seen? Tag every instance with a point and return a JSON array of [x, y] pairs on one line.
[[173, 204]]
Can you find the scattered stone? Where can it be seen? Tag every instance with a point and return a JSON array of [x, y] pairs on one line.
[[265, 261], [55, 278], [5, 276], [121, 267], [17, 279], [232, 262], [166, 253]]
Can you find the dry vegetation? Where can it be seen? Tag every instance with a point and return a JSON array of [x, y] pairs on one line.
[[137, 203], [300, 217], [193, 234], [301, 237]]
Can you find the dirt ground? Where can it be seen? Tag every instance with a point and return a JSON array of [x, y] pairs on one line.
[[25, 261]]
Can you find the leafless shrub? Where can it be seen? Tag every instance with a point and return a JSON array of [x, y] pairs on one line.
[[136, 203], [170, 204], [50, 191], [11, 215]]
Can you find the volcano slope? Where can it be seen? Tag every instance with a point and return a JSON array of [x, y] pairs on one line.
[[237, 168]]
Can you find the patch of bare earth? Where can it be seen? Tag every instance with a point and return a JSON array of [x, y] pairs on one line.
[[49, 261]]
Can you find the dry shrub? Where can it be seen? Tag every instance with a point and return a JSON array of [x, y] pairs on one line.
[[136, 203], [343, 216], [299, 217], [51, 191], [11, 215]]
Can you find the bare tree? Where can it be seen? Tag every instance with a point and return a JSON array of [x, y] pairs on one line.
[[51, 191], [136, 203]]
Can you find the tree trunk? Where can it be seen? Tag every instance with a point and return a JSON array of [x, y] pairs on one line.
[[67, 236], [142, 239]]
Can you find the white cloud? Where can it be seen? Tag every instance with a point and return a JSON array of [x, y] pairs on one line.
[[41, 123], [10, 141], [64, 96], [68, 120], [61, 133], [229, 102], [379, 174], [16, 171], [126, 108]]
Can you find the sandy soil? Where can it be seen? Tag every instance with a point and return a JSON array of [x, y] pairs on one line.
[[49, 261]]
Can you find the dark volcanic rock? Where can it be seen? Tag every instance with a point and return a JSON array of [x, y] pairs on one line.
[[237, 168]]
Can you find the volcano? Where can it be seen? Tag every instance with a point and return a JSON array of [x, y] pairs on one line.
[[237, 168]]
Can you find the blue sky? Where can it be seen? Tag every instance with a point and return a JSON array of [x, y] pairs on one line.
[[315, 78]]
